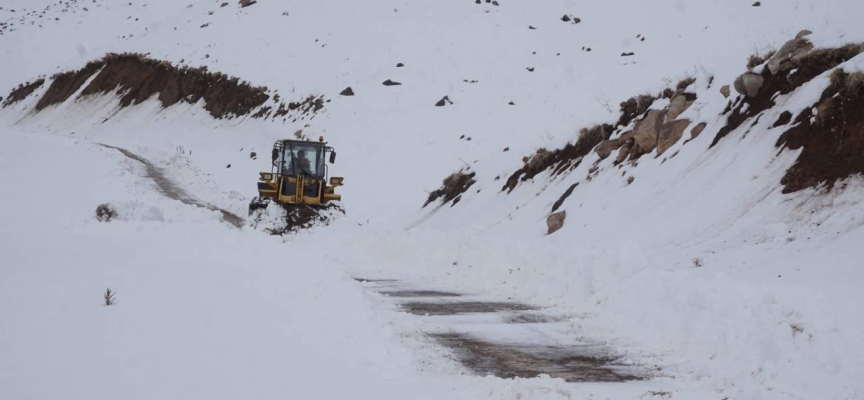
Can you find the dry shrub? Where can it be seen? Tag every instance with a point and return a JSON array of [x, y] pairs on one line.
[[109, 297], [452, 188], [634, 107], [538, 158], [105, 213], [851, 85], [756, 60]]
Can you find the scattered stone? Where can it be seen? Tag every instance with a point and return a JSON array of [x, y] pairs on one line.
[[512, 103], [400, 65], [391, 83], [247, 3], [347, 92], [725, 91], [630, 179], [531, 27], [678, 105], [577, 20], [555, 222], [697, 130], [530, 69], [749, 84], [647, 130], [444, 101], [565, 18], [757, 4], [790, 54], [228, 166], [670, 134], [253, 155], [625, 54], [506, 149], [606, 147]]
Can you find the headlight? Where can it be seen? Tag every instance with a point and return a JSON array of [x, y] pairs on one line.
[[266, 177], [335, 181]]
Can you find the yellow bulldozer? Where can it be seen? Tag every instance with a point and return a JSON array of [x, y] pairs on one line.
[[298, 176]]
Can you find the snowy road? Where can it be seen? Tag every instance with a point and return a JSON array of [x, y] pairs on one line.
[[171, 190]]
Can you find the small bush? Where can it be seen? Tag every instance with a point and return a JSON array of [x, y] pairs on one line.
[[756, 60], [105, 213], [684, 83], [109, 297], [849, 84], [537, 159], [452, 188]]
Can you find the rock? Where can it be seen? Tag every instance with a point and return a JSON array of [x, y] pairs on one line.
[[443, 102], [511, 103], [253, 155], [646, 131], [625, 54], [577, 20], [530, 69], [670, 134], [228, 166], [555, 222], [531, 27], [565, 18], [606, 147], [627, 142], [697, 130], [804, 33], [725, 91], [678, 105], [757, 4], [247, 3], [630, 179], [390, 83], [790, 54], [400, 65], [749, 84], [347, 92]]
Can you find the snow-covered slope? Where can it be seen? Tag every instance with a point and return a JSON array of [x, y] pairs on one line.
[[699, 264]]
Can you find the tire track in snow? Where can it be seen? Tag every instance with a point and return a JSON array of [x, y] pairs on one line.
[[171, 190]]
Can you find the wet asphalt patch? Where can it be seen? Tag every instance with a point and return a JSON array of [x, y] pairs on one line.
[[418, 293], [422, 308], [506, 361], [465, 332]]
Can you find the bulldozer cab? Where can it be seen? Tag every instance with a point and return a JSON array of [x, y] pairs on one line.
[[298, 175], [302, 158]]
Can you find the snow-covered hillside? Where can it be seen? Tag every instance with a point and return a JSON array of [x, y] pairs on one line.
[[698, 268]]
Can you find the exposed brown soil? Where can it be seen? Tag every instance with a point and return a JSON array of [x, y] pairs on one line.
[[833, 145], [66, 84], [136, 78], [563, 159], [452, 188], [814, 64], [22, 91], [301, 217]]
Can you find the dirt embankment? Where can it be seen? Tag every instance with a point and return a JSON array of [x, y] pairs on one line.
[[22, 92], [832, 140], [135, 78], [814, 64]]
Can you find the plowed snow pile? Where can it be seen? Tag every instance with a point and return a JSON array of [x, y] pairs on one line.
[[706, 231]]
